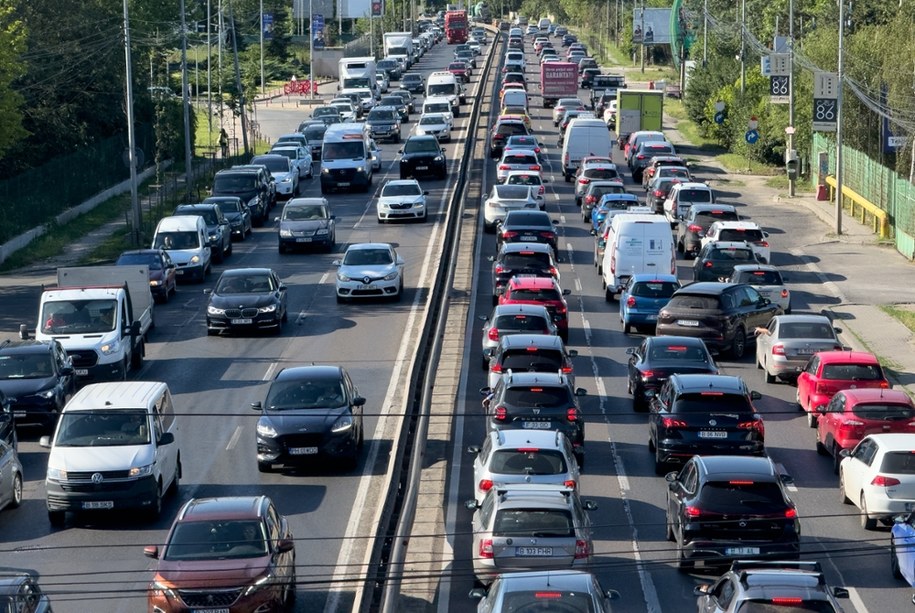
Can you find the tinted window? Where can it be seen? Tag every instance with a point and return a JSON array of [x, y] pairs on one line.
[[731, 254], [532, 361], [899, 463], [273, 163], [740, 235], [761, 277], [533, 522], [512, 192], [421, 145], [692, 301], [805, 330], [511, 128], [304, 212], [306, 394], [532, 259], [143, 259], [535, 462], [352, 150], [539, 397], [853, 372], [601, 173], [525, 323], [235, 183], [695, 195], [515, 158], [204, 540], [649, 289], [767, 606], [676, 353], [546, 294], [707, 218], [883, 411], [712, 402], [739, 495], [529, 219], [315, 132]]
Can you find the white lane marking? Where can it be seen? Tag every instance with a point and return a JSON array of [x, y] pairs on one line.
[[269, 374], [300, 317], [233, 440], [856, 601], [323, 278], [355, 529], [577, 285]]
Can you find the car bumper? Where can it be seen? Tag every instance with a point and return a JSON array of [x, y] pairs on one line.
[[414, 212], [355, 179], [285, 189], [678, 451], [640, 318], [715, 552], [375, 289], [111, 495], [258, 322], [190, 272], [307, 449], [101, 371], [261, 600], [713, 338], [389, 133], [238, 229], [305, 241], [879, 506], [785, 367], [486, 571], [430, 169]]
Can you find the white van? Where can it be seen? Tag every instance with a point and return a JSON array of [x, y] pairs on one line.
[[584, 136], [636, 244], [443, 83], [515, 97], [346, 157], [114, 449], [185, 239]]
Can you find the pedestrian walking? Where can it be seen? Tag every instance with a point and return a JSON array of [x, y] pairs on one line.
[[224, 142]]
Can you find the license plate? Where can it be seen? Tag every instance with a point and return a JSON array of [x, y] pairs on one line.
[[422, 168], [343, 184], [805, 351], [537, 425], [528, 238], [360, 286], [533, 551], [688, 322], [303, 240], [18, 413], [81, 372], [222, 610], [303, 450], [712, 434], [98, 504], [741, 551], [179, 272], [651, 317], [242, 321]]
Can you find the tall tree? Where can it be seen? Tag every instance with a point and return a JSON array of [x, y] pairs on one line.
[[12, 44]]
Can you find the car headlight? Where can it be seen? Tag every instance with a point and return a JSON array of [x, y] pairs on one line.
[[253, 203], [391, 276], [262, 582], [140, 471], [211, 310], [270, 308], [109, 348], [165, 588], [154, 283], [325, 171], [322, 231], [212, 236], [265, 429], [343, 278], [418, 205], [195, 259], [285, 233], [438, 158], [342, 424], [286, 179], [360, 169], [46, 394], [56, 474]]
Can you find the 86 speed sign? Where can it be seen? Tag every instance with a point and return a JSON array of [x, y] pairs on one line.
[[825, 114]]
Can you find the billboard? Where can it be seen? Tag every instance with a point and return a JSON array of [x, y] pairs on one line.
[[651, 26]]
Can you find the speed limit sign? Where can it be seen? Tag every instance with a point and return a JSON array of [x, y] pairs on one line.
[[825, 114], [779, 87]]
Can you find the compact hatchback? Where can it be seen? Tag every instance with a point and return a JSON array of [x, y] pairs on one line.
[[528, 227], [507, 319], [828, 372], [716, 261], [36, 381], [765, 279], [573, 591], [531, 353], [878, 476], [544, 291], [527, 259], [643, 297]]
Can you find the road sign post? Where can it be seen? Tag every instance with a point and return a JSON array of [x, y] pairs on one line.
[[825, 101]]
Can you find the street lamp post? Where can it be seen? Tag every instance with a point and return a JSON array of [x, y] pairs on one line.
[[841, 67]]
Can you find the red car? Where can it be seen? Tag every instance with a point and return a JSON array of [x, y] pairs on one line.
[[853, 414], [544, 291], [829, 372], [460, 70]]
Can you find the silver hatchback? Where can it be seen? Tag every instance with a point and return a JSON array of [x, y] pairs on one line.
[[508, 319], [787, 343]]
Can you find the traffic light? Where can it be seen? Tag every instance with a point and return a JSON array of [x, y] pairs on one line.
[[791, 164]]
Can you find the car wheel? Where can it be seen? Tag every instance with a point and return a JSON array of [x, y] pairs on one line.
[[821, 448], [16, 493], [836, 458], [57, 518], [264, 467], [843, 496], [627, 328], [811, 419], [682, 563], [380, 220], [739, 344], [608, 294], [770, 378], [866, 522], [894, 561], [156, 509]]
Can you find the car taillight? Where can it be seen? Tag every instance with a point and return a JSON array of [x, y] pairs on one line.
[[499, 269], [693, 512], [501, 414], [493, 334], [584, 181], [486, 548], [787, 600], [884, 385], [640, 156], [670, 422], [762, 243], [708, 264], [485, 484], [581, 549], [694, 228], [884, 481], [821, 388], [572, 414], [548, 235], [561, 309], [791, 513], [504, 167], [509, 234], [630, 301], [590, 199], [658, 193], [647, 374], [570, 483], [498, 137], [554, 271], [755, 424], [534, 167], [542, 189], [496, 368], [778, 349], [784, 293]]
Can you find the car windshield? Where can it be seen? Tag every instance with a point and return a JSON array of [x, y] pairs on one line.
[[305, 212], [431, 120], [235, 183], [273, 163], [437, 107], [220, 540], [401, 189], [557, 396], [392, 101], [176, 240], [347, 150], [325, 110], [103, 428], [520, 323], [740, 494], [440, 89], [143, 259], [26, 366], [774, 605], [806, 330], [412, 78], [457, 66], [78, 316], [306, 394], [368, 257], [712, 402], [244, 284], [852, 372], [315, 132], [528, 462], [421, 145], [540, 523], [379, 115], [228, 206], [532, 360], [209, 215]]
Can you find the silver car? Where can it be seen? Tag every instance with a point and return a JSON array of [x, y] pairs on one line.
[[507, 319], [369, 270], [539, 591], [523, 456], [787, 343], [10, 476], [505, 198], [765, 279], [526, 526], [437, 124]]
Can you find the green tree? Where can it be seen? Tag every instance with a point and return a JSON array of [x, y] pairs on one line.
[[12, 44]]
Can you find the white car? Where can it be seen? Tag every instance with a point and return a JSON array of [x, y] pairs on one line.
[[878, 476], [383, 82], [437, 124], [505, 198], [300, 157], [369, 270], [531, 178], [474, 46], [740, 231], [285, 173], [402, 199], [517, 159], [610, 114], [563, 105], [375, 152], [346, 108]]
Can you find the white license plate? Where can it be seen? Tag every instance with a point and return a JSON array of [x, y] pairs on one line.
[[741, 551], [651, 317], [537, 425], [222, 610], [303, 240], [528, 237], [241, 322], [81, 372], [179, 272], [712, 434], [533, 551], [688, 322], [422, 168], [343, 184], [98, 504], [805, 352], [303, 450], [361, 286]]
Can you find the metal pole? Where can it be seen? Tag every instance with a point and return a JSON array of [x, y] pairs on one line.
[[618, 23], [791, 182], [131, 136], [642, 42], [340, 20], [743, 45], [209, 81], [221, 30], [241, 91], [263, 87], [186, 103], [839, 172], [705, 34], [311, 48]]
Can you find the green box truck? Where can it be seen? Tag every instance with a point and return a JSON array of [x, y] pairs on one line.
[[638, 109]]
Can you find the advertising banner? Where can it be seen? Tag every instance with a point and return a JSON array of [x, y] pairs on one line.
[[651, 26]]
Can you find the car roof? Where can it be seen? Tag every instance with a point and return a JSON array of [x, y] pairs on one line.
[[837, 357], [695, 185], [708, 383], [423, 137], [540, 341], [643, 277], [222, 507], [400, 182], [755, 267], [519, 437], [533, 282], [545, 580], [535, 378], [745, 225], [706, 288], [521, 247], [240, 272], [705, 207], [356, 246], [738, 467], [20, 346], [520, 309], [803, 318], [876, 394], [529, 495]]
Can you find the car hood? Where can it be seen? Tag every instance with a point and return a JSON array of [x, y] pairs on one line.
[[279, 176], [14, 388], [92, 459], [236, 216], [421, 155], [309, 420], [227, 301], [305, 225], [235, 572], [374, 271]]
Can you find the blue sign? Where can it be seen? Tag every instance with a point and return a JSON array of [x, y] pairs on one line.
[[752, 136], [719, 117], [317, 22], [268, 25]]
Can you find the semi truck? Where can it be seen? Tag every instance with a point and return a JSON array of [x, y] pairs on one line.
[[558, 80], [101, 315], [638, 109], [456, 27], [399, 45]]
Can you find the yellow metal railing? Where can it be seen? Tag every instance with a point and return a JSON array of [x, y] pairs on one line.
[[879, 219]]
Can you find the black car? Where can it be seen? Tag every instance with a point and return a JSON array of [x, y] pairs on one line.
[[528, 227], [659, 357], [657, 192], [723, 315], [724, 508], [246, 299], [536, 400], [311, 413], [237, 213], [529, 259], [307, 222], [218, 229], [403, 111], [406, 96], [314, 136], [422, 155], [413, 82], [703, 415], [163, 277], [384, 123], [716, 261], [587, 78], [19, 591], [251, 185], [641, 157], [392, 68], [698, 220], [36, 381]]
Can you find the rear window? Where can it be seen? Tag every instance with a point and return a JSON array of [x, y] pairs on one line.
[[510, 129], [694, 195], [541, 295], [539, 397], [533, 259], [788, 605], [521, 323], [534, 218], [886, 412], [650, 289], [692, 301], [538, 523], [601, 173], [707, 218], [732, 254], [540, 360], [899, 463], [761, 277], [528, 462], [674, 353], [740, 235], [520, 159], [806, 330], [712, 402], [734, 496], [852, 372]]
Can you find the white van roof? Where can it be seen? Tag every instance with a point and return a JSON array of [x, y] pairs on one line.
[[586, 122], [115, 395], [640, 218], [179, 223], [345, 131]]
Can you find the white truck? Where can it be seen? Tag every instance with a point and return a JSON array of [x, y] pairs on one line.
[[101, 315], [358, 73], [400, 45]]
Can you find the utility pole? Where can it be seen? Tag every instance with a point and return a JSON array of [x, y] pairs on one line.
[[311, 48], [241, 91], [131, 137], [705, 34], [221, 29], [791, 182], [743, 45], [841, 67], [209, 79], [186, 103], [263, 87], [642, 42]]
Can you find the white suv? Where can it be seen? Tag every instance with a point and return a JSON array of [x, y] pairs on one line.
[[740, 231], [684, 195]]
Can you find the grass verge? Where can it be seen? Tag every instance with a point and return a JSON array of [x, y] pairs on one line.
[[905, 316]]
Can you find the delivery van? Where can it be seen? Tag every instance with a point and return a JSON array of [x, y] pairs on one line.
[[636, 244], [185, 239], [584, 137]]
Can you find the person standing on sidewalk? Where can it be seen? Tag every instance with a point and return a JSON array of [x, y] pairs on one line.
[[224, 142]]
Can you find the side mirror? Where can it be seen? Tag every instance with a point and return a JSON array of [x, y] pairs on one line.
[[358, 401], [485, 391], [207, 291], [490, 258], [754, 395], [572, 353], [630, 351], [151, 551], [66, 371], [45, 441], [844, 453], [167, 438], [838, 330], [483, 317], [23, 332], [566, 292], [473, 449], [284, 545], [471, 505], [840, 592], [477, 593], [612, 595], [581, 392], [821, 409], [257, 406], [425, 192], [671, 476]]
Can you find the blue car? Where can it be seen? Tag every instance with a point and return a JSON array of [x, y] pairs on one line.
[[643, 297], [607, 202]]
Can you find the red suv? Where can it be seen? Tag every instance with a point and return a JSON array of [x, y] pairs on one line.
[[854, 413], [829, 372], [234, 553], [544, 291]]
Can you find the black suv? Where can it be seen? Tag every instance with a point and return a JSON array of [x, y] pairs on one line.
[[723, 508], [529, 259], [251, 185], [384, 123], [724, 315], [219, 230], [716, 261], [706, 415], [37, 379], [528, 227], [422, 155], [536, 400], [698, 220]]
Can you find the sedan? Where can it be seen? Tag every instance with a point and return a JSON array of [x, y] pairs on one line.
[[237, 214], [369, 270], [435, 124], [402, 199], [310, 414], [307, 222], [528, 227], [786, 343], [162, 277], [536, 590], [246, 298], [531, 178], [505, 198], [716, 261], [652, 363]]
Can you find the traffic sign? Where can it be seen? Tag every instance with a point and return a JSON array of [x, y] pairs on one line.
[[752, 136], [779, 64], [779, 86], [719, 117], [377, 11], [752, 124], [825, 85], [825, 114], [719, 106]]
